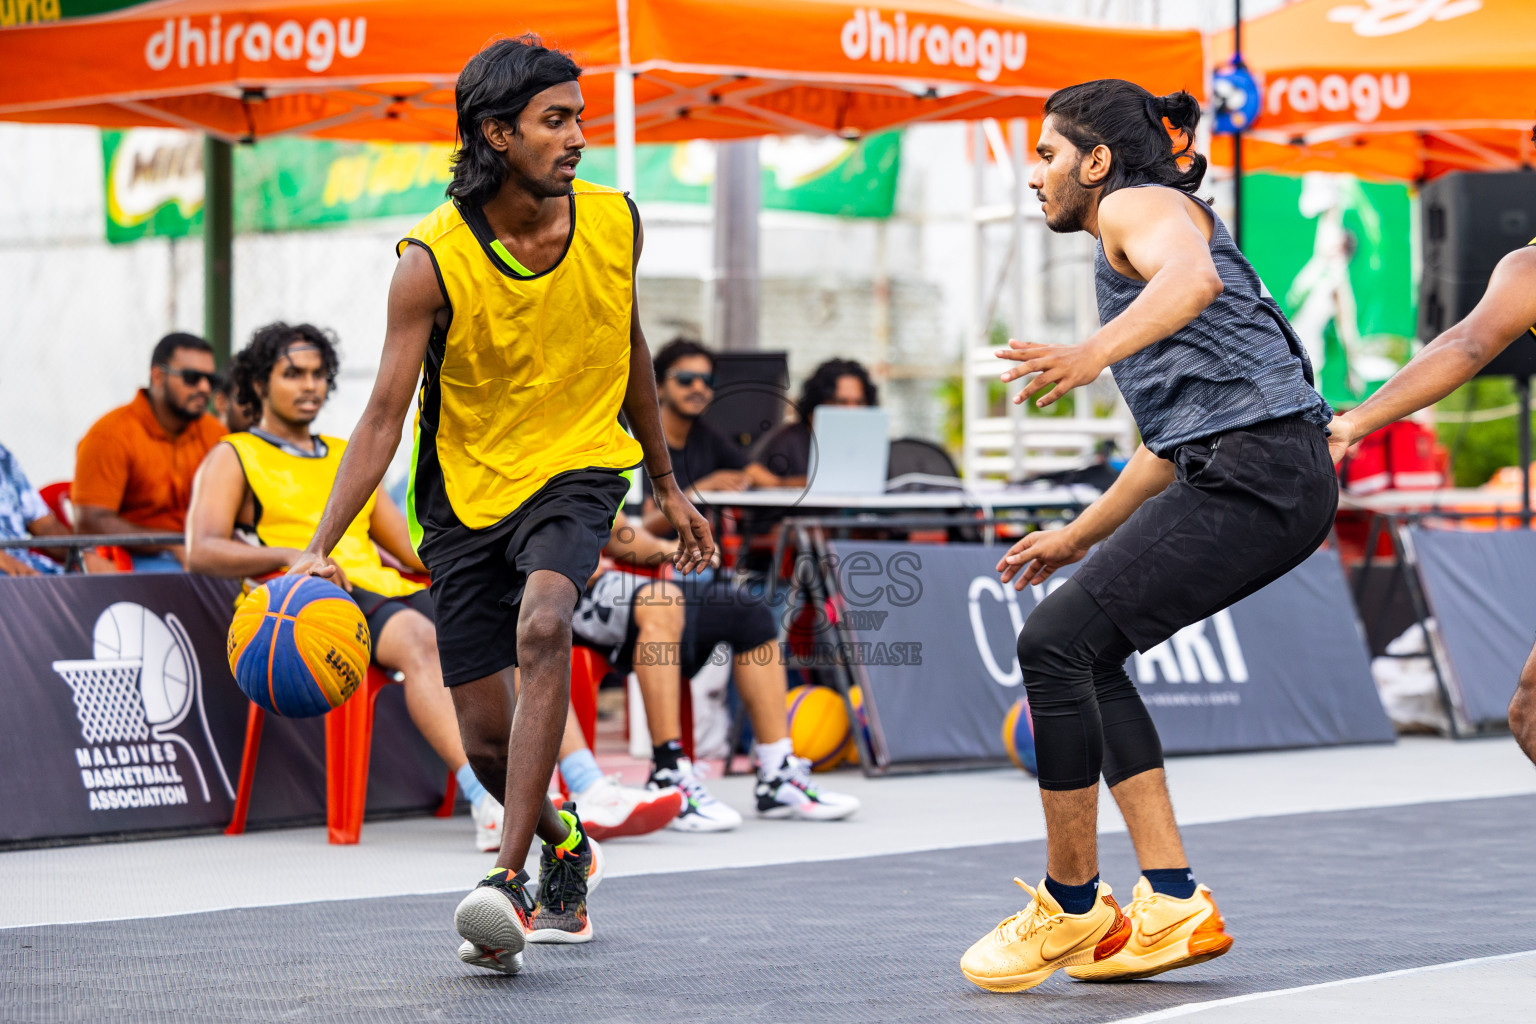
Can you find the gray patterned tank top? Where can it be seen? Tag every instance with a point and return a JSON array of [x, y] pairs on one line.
[[1236, 364]]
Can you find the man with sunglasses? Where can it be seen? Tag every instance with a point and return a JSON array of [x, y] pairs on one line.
[[134, 467], [701, 458]]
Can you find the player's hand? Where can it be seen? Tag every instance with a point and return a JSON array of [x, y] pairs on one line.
[[1341, 435], [1066, 366], [1034, 558], [695, 540], [308, 563]]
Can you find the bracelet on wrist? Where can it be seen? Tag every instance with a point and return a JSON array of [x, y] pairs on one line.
[[660, 476]]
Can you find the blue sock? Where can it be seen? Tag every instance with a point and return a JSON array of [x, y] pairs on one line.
[[469, 785], [1176, 882], [580, 771], [1074, 899]]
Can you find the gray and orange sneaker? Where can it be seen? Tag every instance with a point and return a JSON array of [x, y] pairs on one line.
[[567, 874], [1166, 933], [493, 922], [1041, 939]]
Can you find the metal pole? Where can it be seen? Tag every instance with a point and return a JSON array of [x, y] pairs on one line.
[[1237, 137], [1523, 392], [738, 198], [218, 240], [624, 130]]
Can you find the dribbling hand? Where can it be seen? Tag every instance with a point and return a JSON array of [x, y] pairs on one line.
[[1034, 558], [310, 564]]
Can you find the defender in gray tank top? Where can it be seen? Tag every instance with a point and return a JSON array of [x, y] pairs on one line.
[[1232, 488]]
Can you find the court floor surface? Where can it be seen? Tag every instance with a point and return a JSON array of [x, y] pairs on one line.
[[1312, 898]]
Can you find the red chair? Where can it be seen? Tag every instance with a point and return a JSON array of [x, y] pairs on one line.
[[54, 496], [348, 743], [587, 671]]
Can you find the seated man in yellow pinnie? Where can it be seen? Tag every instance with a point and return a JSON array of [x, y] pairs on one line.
[[255, 503]]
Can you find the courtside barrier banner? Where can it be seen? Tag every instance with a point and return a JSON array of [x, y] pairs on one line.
[[931, 633], [119, 715], [1481, 591]]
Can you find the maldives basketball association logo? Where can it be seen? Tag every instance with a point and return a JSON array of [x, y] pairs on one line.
[[138, 699]]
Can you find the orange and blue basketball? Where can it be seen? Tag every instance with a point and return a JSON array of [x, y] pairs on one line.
[[298, 646], [1019, 736], [818, 726]]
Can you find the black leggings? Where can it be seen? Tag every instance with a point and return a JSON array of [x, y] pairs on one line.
[[1087, 714]]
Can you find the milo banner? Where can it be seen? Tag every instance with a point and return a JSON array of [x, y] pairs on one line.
[[119, 715], [154, 179], [1337, 254], [932, 634]]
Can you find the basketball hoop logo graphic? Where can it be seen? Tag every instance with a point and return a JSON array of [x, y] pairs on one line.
[[131, 698]]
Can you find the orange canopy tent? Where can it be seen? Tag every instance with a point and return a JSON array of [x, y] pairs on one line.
[[1405, 89], [384, 69], [241, 70]]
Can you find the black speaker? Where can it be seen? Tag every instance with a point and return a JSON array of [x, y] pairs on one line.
[[1470, 221], [751, 390]]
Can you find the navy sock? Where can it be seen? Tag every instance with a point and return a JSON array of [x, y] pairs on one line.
[[666, 755], [1074, 899], [1176, 882]]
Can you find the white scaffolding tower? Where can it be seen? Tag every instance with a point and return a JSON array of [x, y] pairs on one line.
[[1016, 442]]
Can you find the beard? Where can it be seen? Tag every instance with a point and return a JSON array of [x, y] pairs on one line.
[[1070, 206]]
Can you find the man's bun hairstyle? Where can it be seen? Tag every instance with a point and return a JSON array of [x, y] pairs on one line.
[[1129, 121]]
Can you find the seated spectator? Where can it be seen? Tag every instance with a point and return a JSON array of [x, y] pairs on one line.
[[665, 631], [227, 408], [786, 452], [701, 458], [134, 467], [258, 499], [23, 514]]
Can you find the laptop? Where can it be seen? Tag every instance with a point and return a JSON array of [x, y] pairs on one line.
[[849, 452]]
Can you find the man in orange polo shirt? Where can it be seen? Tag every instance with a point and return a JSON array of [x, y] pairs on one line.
[[134, 467]]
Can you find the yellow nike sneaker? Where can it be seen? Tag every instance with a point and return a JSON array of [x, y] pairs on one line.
[[1031, 945], [1166, 933]]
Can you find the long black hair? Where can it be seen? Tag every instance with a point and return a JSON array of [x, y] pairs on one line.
[[498, 83], [253, 364], [821, 385], [1128, 120]]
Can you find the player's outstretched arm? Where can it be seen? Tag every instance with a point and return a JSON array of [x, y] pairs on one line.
[[1155, 231], [415, 300], [696, 542], [1506, 311], [1038, 555]]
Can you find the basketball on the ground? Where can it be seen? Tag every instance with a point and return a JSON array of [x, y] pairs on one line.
[[1019, 736], [818, 726], [298, 646]]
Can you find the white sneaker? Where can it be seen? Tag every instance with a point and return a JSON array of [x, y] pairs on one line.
[[487, 817], [700, 812], [609, 810], [789, 793]]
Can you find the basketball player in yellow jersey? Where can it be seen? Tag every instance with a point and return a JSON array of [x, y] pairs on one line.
[[1506, 311], [255, 503], [514, 305]]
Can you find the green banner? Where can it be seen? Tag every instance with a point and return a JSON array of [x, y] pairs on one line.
[[1336, 254], [154, 180], [36, 12]]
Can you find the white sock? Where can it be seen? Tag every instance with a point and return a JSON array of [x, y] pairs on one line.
[[771, 756]]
